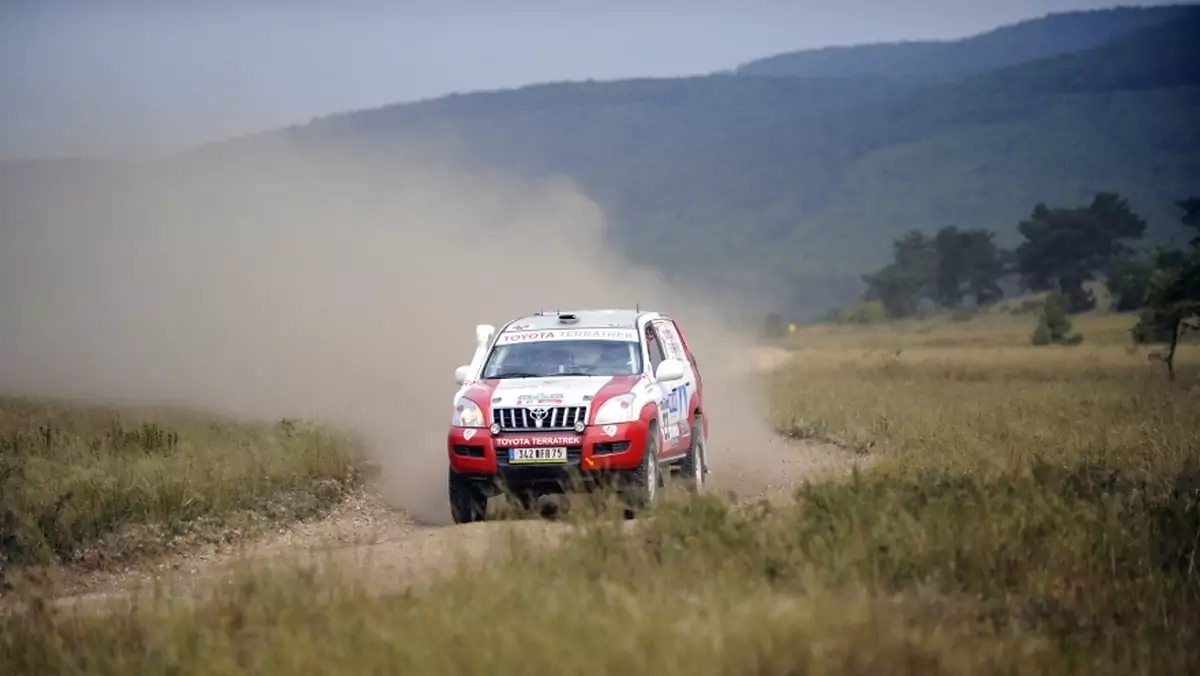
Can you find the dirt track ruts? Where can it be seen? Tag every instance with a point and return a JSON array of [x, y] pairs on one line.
[[367, 536]]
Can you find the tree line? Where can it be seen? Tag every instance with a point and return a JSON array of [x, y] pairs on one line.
[[1062, 250]]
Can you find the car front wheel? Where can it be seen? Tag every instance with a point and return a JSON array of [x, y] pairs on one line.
[[467, 502], [645, 480], [693, 467]]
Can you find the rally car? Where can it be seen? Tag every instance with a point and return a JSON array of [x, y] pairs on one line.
[[561, 401]]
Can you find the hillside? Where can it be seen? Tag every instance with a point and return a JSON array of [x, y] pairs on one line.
[[594, 130], [1022, 42], [776, 184], [979, 153], [786, 189]]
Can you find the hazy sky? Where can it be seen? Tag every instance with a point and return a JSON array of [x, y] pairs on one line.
[[98, 77]]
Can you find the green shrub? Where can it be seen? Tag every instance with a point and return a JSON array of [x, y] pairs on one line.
[[864, 312], [1054, 327]]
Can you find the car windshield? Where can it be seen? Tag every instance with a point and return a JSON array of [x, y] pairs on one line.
[[537, 359]]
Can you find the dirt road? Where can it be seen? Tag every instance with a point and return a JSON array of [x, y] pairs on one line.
[[367, 536], [357, 325]]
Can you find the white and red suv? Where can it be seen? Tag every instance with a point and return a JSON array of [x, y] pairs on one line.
[[593, 395]]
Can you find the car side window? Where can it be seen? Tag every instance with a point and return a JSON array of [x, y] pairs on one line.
[[677, 347], [683, 341], [684, 349], [654, 347], [672, 344]]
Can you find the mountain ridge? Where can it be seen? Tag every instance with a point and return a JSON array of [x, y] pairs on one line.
[[996, 48]]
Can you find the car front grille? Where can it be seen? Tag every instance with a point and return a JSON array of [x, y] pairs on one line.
[[539, 418]]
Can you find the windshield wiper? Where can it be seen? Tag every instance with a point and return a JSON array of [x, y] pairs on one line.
[[571, 373], [502, 376]]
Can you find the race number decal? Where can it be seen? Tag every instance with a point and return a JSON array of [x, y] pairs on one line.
[[675, 406]]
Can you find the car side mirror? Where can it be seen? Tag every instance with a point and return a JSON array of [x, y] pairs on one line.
[[461, 373], [668, 370]]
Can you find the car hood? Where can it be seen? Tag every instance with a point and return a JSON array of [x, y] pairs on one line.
[[565, 391]]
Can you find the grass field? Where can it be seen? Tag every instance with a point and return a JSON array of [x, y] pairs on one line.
[[93, 487], [1032, 511]]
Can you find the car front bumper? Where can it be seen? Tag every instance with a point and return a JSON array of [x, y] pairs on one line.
[[599, 450]]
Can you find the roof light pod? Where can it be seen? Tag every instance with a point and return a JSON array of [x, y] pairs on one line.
[[568, 318]]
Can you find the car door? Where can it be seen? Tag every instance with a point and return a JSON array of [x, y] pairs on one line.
[[697, 389], [678, 396], [656, 354], [690, 356]]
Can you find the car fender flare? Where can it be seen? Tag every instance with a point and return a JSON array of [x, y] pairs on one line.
[[649, 412], [649, 417]]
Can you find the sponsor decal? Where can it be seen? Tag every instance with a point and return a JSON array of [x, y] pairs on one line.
[[468, 434], [629, 335], [539, 399], [677, 399], [669, 432], [544, 440], [673, 412], [610, 429], [678, 431]]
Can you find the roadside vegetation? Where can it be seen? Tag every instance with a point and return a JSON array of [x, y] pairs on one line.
[[92, 487], [1030, 510]]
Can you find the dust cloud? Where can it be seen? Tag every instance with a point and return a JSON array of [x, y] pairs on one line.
[[285, 281]]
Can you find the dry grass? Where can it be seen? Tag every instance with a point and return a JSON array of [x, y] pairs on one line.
[[1036, 511], [976, 397], [91, 486], [991, 329]]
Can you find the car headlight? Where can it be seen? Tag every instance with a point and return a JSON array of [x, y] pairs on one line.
[[616, 410], [467, 414]]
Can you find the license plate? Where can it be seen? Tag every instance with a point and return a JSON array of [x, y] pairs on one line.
[[519, 456]]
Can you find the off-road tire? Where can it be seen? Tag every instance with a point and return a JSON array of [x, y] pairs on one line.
[[645, 481], [467, 502], [523, 504], [694, 466]]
